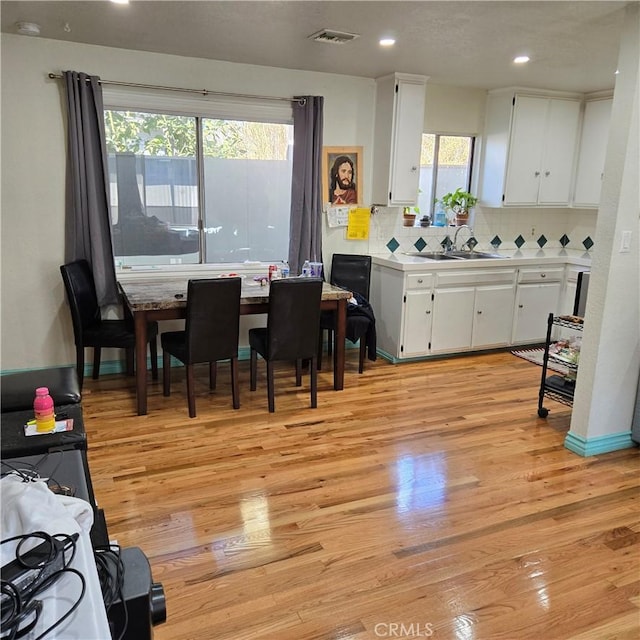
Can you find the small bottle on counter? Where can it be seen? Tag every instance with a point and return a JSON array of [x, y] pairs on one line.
[[43, 408], [285, 269], [306, 269]]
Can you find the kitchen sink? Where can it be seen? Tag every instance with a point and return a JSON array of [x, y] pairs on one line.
[[430, 255], [473, 255], [453, 255]]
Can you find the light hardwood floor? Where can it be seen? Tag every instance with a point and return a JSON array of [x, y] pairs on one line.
[[425, 500]]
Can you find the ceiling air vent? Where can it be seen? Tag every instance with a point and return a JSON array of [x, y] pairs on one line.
[[333, 37]]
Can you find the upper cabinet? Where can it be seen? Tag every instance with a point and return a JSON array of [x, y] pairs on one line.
[[529, 151], [399, 123], [593, 147]]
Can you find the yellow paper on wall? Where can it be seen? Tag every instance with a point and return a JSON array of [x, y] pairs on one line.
[[358, 226]]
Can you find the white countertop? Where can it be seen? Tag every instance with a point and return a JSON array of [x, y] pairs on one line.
[[510, 258]]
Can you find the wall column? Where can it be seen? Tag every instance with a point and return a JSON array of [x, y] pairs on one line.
[[610, 357]]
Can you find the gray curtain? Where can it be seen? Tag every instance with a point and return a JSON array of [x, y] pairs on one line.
[[88, 223], [305, 229]]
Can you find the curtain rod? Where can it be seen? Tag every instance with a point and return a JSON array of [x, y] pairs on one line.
[[203, 92]]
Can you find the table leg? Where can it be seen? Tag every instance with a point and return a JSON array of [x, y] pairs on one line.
[[140, 323], [338, 351]]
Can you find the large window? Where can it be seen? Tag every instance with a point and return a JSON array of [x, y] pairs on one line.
[[445, 165], [195, 189]]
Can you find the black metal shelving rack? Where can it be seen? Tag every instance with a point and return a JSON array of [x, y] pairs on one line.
[[557, 387]]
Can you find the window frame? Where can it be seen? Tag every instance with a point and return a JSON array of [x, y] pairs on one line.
[[434, 177], [197, 105]]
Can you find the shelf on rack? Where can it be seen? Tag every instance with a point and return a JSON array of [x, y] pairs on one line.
[[569, 322], [559, 388], [560, 385]]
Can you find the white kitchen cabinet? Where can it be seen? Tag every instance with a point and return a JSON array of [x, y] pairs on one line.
[[399, 123], [402, 304], [591, 155], [530, 148], [472, 310], [537, 295], [452, 319], [492, 317], [418, 302]]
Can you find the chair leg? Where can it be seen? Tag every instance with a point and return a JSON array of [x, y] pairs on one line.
[[298, 372], [166, 373], [330, 341], [153, 352], [363, 348], [235, 388], [270, 394], [314, 383], [253, 368], [191, 392], [213, 375], [130, 356], [96, 362], [80, 364], [320, 335]]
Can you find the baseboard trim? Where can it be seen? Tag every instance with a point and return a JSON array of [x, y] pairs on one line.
[[600, 444], [111, 367]]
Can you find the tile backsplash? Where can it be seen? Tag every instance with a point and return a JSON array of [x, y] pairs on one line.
[[508, 228]]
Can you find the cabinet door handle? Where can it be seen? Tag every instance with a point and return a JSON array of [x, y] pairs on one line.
[[428, 312], [547, 173], [414, 168], [420, 281], [536, 173], [520, 306], [479, 312], [543, 275]]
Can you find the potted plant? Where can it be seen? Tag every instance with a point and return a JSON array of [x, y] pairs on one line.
[[409, 216], [459, 203]]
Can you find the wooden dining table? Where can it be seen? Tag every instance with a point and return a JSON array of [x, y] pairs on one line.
[[166, 299]]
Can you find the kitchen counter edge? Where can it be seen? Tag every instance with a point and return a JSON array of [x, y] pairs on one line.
[[402, 262]]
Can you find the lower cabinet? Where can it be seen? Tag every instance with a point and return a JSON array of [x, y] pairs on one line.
[[492, 319], [474, 315], [452, 319], [402, 303], [537, 295], [422, 313], [418, 303]]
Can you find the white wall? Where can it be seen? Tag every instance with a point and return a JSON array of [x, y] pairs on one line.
[[36, 327], [454, 110], [610, 355]]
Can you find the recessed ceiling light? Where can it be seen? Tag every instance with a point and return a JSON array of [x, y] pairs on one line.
[[521, 59], [120, 1], [387, 42]]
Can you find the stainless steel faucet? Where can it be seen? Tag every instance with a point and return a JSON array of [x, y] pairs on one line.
[[455, 237]]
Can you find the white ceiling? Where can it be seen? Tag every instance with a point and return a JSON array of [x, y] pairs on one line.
[[573, 45]]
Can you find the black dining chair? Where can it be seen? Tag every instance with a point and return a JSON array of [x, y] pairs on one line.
[[293, 323], [90, 330], [211, 334], [351, 272]]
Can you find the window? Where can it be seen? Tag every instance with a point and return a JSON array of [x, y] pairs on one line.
[[198, 189], [451, 170]]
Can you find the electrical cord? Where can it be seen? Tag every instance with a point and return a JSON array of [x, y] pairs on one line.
[[29, 472], [111, 576], [32, 572]]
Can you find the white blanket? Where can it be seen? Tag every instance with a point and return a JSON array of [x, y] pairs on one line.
[[32, 506]]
